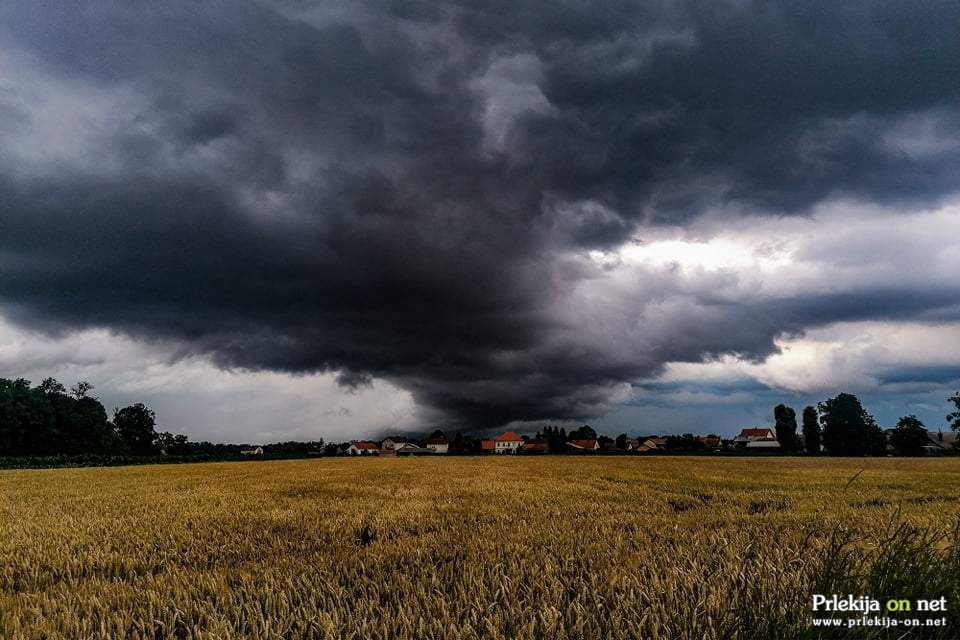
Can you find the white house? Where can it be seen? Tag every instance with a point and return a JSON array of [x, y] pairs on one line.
[[437, 445], [410, 449], [762, 444], [507, 442], [394, 442], [755, 434], [362, 448]]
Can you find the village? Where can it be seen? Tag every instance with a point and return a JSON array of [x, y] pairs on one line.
[[750, 440], [512, 443], [838, 426]]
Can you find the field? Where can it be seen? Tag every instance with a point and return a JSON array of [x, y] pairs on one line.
[[561, 547]]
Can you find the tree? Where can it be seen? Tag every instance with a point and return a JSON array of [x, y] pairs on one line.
[[179, 445], [90, 431], [684, 442], [464, 444], [621, 442], [81, 390], [848, 430], [586, 432], [954, 416], [51, 387], [135, 426], [44, 420], [21, 424], [785, 423], [910, 436], [556, 439], [811, 430]]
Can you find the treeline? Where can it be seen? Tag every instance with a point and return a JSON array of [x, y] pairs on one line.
[[58, 425], [841, 426], [558, 437], [48, 420]]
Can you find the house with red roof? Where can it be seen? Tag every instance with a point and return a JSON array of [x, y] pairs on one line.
[[755, 434], [362, 448], [757, 438], [506, 442]]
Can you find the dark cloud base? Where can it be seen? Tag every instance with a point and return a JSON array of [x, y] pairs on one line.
[[306, 187]]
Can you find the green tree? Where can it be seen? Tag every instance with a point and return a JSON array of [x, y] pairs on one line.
[[910, 436], [848, 430], [51, 387], [954, 416], [586, 432], [179, 445], [135, 426], [811, 430], [556, 439], [20, 419], [81, 390], [87, 429], [785, 424], [45, 420]]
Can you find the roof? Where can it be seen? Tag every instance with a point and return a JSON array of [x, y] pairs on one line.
[[655, 442], [488, 444], [509, 436], [942, 439], [584, 444], [756, 432], [365, 445], [397, 439], [413, 450], [535, 445]]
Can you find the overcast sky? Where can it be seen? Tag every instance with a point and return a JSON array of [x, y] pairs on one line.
[[294, 219]]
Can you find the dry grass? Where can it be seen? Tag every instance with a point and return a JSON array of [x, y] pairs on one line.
[[678, 548]]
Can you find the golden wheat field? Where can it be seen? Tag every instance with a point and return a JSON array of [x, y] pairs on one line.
[[558, 547]]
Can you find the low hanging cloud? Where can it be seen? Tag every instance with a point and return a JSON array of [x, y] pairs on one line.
[[446, 197], [192, 396]]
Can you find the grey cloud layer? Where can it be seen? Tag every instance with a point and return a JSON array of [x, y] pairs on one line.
[[395, 189]]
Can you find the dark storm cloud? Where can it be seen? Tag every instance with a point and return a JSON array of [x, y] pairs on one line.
[[391, 189]]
